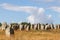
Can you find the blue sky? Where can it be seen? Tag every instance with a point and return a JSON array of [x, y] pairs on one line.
[[33, 11]]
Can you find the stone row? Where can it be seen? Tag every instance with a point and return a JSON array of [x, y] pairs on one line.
[[9, 29]]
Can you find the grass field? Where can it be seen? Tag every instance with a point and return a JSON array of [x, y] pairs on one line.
[[32, 35]]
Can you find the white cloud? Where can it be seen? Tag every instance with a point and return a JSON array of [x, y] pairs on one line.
[[49, 0], [28, 9], [55, 8], [39, 1], [31, 19], [36, 14], [40, 17], [49, 16], [41, 10]]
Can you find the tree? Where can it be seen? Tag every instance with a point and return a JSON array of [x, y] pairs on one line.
[[15, 26]]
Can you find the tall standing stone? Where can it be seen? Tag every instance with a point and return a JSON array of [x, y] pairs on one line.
[[38, 26], [56, 26], [31, 27], [35, 26], [27, 28], [9, 31], [20, 27], [42, 26], [4, 25]]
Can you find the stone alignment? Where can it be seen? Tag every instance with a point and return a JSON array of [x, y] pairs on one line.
[[9, 29], [38, 26], [28, 26]]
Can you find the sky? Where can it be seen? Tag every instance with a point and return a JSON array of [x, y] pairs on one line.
[[33, 11]]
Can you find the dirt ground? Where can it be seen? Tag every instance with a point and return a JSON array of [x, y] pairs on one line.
[[32, 35]]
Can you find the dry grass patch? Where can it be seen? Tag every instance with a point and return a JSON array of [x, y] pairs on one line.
[[32, 35]]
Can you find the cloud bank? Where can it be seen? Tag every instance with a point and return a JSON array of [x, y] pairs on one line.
[[45, 1], [55, 8], [37, 15]]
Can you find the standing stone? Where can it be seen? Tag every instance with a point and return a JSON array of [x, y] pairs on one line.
[[52, 25], [39, 26], [48, 27], [4, 25], [56, 26], [59, 26], [31, 27], [9, 31], [35, 26], [42, 26], [20, 27], [27, 28]]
